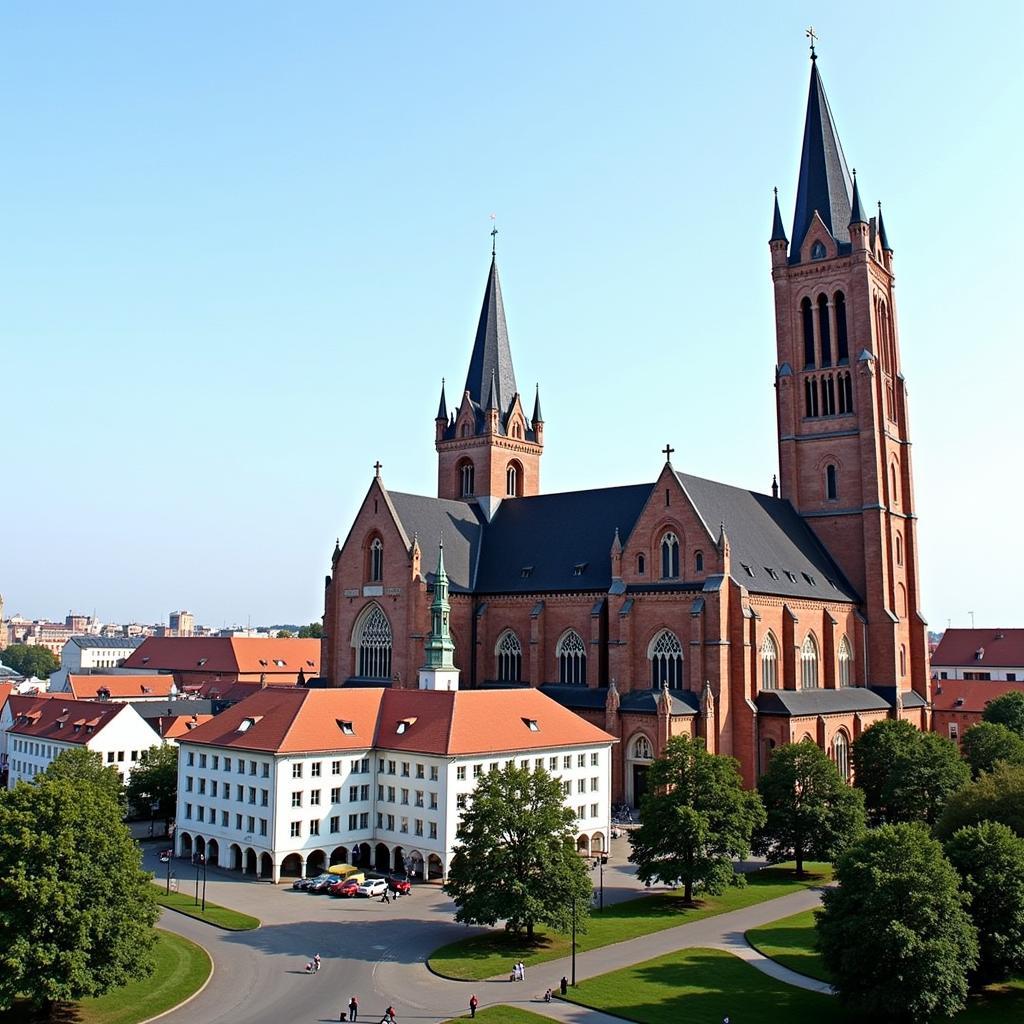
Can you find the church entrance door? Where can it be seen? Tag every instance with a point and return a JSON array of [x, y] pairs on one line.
[[639, 783]]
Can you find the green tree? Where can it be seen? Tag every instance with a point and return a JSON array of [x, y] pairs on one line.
[[76, 910], [86, 766], [30, 660], [314, 631], [154, 780], [1007, 709], [997, 795], [895, 933], [284, 634], [811, 810], [988, 742], [990, 861], [906, 774], [515, 858], [695, 819]]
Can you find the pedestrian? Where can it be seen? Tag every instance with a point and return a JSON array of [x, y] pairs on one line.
[[473, 1003], [522, 971], [353, 1008], [390, 1014], [563, 985], [385, 898]]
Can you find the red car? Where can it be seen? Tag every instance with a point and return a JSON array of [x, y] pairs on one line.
[[400, 885], [346, 887]]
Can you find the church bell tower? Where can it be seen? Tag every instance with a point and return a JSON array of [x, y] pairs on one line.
[[844, 437]]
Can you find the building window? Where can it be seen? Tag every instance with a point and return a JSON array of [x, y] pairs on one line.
[[467, 482], [641, 565], [698, 561], [845, 663], [296, 770], [903, 661], [818, 251], [842, 339], [375, 645], [296, 829], [810, 397], [512, 477], [828, 395], [841, 754], [670, 556], [824, 331], [809, 663], [572, 659], [510, 657], [666, 656], [831, 483], [807, 321], [844, 387], [899, 548], [376, 560], [769, 663]]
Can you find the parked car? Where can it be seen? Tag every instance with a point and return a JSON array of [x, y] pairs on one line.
[[400, 885], [344, 887], [307, 884], [322, 883], [373, 887]]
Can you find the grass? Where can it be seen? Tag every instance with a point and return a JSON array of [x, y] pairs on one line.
[[222, 917], [182, 968], [505, 1015], [491, 954]]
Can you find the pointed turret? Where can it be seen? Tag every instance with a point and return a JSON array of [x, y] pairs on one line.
[[856, 214], [442, 408], [824, 184], [439, 671], [492, 399], [883, 238], [492, 357], [538, 416], [778, 231]]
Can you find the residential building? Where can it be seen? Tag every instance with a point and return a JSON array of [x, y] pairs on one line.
[[131, 688], [83, 654], [957, 704], [182, 623], [980, 654]]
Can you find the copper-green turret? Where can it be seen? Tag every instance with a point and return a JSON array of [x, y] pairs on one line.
[[439, 671]]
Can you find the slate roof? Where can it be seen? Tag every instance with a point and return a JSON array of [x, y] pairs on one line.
[[491, 353], [117, 642], [824, 182], [847, 699], [633, 702]]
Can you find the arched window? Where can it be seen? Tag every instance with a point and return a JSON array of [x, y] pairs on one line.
[[572, 659], [899, 548], [465, 430], [809, 663], [831, 483], [845, 663], [769, 663], [828, 395], [844, 387], [512, 480], [807, 320], [509, 653], [895, 497], [903, 660], [901, 600], [842, 339], [698, 561], [376, 572], [666, 657], [824, 330], [374, 645], [818, 251], [670, 556], [467, 479], [641, 565], [810, 396], [841, 754], [642, 749]]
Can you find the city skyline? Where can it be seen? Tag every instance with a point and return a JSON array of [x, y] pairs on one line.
[[213, 297]]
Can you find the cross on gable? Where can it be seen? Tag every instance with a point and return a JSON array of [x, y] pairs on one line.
[[376, 468], [667, 451]]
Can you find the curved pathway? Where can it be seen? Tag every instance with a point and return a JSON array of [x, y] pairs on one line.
[[378, 953]]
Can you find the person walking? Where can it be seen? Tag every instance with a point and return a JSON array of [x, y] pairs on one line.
[[473, 1003], [385, 897], [389, 1013], [522, 971], [353, 1008]]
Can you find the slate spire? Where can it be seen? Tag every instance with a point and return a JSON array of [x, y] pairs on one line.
[[883, 238], [538, 416], [492, 357], [492, 398], [778, 231], [856, 214], [824, 184], [442, 409]]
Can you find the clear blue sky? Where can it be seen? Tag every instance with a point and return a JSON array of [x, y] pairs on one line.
[[242, 242]]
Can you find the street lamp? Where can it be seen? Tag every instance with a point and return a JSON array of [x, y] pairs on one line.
[[574, 940], [599, 863], [166, 858], [201, 861]]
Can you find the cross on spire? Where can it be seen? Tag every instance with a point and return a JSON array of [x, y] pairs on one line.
[[494, 233], [668, 450], [813, 36]]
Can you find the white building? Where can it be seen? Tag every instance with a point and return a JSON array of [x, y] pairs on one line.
[[38, 729], [82, 654]]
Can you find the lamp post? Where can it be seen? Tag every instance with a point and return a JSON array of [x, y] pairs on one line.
[[201, 861], [573, 940], [599, 863]]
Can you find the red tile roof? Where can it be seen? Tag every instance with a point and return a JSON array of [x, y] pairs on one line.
[[287, 720], [69, 721], [171, 727], [972, 694], [87, 687], [980, 648], [227, 654]]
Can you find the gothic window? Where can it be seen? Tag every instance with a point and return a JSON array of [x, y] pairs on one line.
[[899, 548], [818, 251], [641, 565], [698, 561], [824, 330], [666, 657], [467, 481], [769, 663], [831, 483], [809, 663], [807, 320], [669, 556], [509, 653], [828, 395], [376, 560], [841, 754], [842, 338], [511, 480], [844, 386], [845, 663], [810, 396], [374, 645], [895, 497], [901, 600], [903, 661], [572, 659], [642, 749], [465, 430]]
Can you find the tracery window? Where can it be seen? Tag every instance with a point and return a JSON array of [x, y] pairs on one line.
[[642, 749], [669, 556], [845, 663], [509, 654], [376, 560], [841, 754], [467, 482], [572, 659], [374, 645], [769, 663], [666, 657], [809, 663], [510, 481]]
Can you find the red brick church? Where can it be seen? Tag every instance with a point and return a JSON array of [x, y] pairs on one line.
[[682, 605]]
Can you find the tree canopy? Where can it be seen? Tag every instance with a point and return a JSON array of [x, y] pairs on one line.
[[314, 631], [811, 811], [997, 795], [906, 774], [284, 634], [76, 910], [990, 861], [30, 660], [988, 742], [696, 817], [86, 766], [154, 780], [515, 857], [895, 934], [1007, 709]]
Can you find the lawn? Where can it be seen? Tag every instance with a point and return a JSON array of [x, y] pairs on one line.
[[182, 968], [506, 1015], [491, 954], [222, 917]]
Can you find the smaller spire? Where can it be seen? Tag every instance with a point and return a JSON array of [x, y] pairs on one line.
[[538, 416], [856, 215], [442, 409], [775, 486], [616, 543], [882, 237], [492, 401], [441, 574], [778, 231]]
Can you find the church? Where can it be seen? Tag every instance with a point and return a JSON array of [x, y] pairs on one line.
[[682, 606]]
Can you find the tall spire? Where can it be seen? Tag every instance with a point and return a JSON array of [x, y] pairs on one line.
[[492, 356], [883, 238], [442, 409], [824, 184], [856, 214], [538, 416], [778, 231]]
